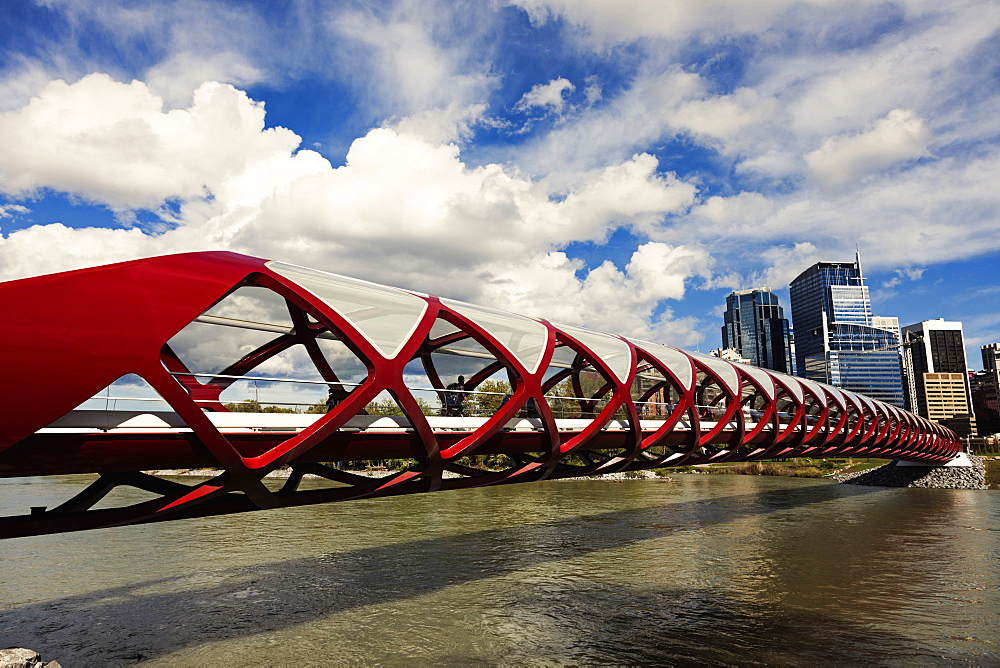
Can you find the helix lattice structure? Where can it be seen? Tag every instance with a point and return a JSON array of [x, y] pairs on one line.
[[354, 371]]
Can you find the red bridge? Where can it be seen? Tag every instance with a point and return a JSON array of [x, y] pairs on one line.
[[246, 366]]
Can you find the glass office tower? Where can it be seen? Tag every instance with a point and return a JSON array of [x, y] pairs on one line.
[[836, 339], [755, 326]]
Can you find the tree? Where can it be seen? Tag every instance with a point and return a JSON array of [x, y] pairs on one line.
[[254, 406]]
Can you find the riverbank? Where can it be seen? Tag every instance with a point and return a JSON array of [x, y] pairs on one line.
[[19, 657], [381, 473], [895, 474], [838, 470]]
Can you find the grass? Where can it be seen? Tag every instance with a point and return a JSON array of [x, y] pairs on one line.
[[769, 468], [992, 473], [800, 467]]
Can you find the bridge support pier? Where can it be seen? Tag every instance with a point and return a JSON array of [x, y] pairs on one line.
[[963, 472], [961, 459]]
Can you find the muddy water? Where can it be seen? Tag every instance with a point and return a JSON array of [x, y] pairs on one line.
[[720, 569]]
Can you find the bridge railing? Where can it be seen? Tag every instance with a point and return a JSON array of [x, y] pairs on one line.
[[256, 395]]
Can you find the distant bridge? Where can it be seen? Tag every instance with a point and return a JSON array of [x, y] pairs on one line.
[[246, 366]]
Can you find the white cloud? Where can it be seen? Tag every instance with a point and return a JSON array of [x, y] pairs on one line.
[[453, 123], [417, 55], [608, 299], [20, 85], [402, 210], [898, 137], [10, 210], [176, 78], [932, 212], [627, 20], [848, 118], [113, 143], [550, 96], [903, 274]]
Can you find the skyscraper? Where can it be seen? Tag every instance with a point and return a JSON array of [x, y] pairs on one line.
[[755, 326], [986, 391], [838, 340], [991, 357], [937, 372]]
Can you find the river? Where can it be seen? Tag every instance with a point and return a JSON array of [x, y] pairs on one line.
[[708, 569]]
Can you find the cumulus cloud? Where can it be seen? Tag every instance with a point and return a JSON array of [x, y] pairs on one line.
[[113, 143], [814, 126], [550, 96], [900, 136], [609, 299], [932, 212], [403, 209], [176, 78]]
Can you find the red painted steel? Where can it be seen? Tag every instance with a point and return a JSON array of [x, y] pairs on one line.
[[69, 335]]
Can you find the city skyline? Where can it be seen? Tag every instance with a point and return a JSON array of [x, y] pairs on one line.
[[538, 155]]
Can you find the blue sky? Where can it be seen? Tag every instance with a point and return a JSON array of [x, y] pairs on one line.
[[619, 165]]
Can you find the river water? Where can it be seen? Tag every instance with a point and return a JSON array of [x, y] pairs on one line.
[[708, 569]]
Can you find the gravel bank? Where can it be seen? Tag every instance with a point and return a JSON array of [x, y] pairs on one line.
[[938, 477]]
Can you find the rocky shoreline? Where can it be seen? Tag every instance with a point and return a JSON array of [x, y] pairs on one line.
[[19, 657], [936, 477]]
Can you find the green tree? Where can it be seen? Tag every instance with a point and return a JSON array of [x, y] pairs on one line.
[[254, 406], [488, 398]]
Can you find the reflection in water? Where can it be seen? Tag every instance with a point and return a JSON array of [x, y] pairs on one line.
[[720, 569]]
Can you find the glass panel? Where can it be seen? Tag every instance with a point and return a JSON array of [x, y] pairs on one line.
[[762, 377], [255, 304], [523, 337], [674, 359], [613, 351], [386, 316], [836, 394], [793, 385], [867, 402], [725, 370], [814, 388], [211, 347], [563, 357], [129, 393], [442, 328], [467, 347]]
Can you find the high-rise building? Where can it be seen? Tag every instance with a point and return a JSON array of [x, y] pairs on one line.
[[991, 357], [756, 327], [986, 391], [986, 402], [838, 340], [936, 370]]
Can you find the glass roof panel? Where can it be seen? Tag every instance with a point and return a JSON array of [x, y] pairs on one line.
[[867, 401], [725, 370], [814, 388], [793, 385], [762, 377], [563, 356], [523, 337], [387, 317], [612, 350], [834, 392], [442, 328], [674, 360]]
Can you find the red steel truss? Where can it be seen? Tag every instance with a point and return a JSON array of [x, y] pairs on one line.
[[579, 402]]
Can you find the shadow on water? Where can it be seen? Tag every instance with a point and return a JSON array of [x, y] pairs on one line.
[[156, 617]]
